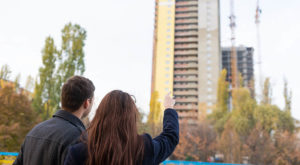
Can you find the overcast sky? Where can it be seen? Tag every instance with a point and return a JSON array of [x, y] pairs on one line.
[[119, 40]]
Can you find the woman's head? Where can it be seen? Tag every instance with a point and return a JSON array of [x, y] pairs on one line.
[[112, 135]]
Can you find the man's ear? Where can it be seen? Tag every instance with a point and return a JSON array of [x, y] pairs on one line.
[[86, 104]]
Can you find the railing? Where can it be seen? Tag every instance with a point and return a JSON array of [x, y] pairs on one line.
[[177, 162], [7, 158]]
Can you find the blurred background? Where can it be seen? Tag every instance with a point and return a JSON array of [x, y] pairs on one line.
[[119, 46]]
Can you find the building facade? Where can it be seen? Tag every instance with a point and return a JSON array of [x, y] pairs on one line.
[[244, 64], [187, 55]]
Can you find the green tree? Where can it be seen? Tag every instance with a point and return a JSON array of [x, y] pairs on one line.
[[45, 91], [243, 110], [71, 56], [58, 66], [287, 97], [154, 119], [267, 92], [5, 72], [221, 113]]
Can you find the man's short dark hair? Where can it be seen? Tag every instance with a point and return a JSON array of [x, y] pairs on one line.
[[75, 91]]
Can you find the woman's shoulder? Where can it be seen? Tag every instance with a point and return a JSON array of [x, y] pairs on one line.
[[77, 154]]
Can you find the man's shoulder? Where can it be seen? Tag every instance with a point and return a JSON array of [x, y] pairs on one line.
[[55, 130]]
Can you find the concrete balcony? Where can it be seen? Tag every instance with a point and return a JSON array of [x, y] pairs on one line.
[[186, 46], [186, 27], [186, 107], [186, 52], [189, 33], [186, 21], [187, 86], [186, 72], [186, 93], [186, 3], [186, 9], [189, 65], [186, 40], [188, 115], [186, 15], [185, 79], [186, 100], [185, 59]]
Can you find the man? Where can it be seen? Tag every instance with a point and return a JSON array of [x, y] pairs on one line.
[[47, 143]]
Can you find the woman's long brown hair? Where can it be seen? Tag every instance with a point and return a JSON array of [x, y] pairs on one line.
[[112, 136]]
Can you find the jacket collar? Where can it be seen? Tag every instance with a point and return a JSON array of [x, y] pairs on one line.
[[70, 118]]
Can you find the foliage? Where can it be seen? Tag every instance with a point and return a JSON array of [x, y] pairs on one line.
[[5, 72], [17, 117], [154, 118], [197, 142], [58, 66], [287, 94]]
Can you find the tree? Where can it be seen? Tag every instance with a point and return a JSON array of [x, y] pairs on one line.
[[243, 109], [58, 66], [259, 147], [16, 119], [154, 118], [5, 72], [287, 148], [71, 56], [230, 145], [267, 92], [287, 97], [45, 91], [221, 114], [197, 142]]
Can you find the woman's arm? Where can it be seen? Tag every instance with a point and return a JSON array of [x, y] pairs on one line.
[[165, 143]]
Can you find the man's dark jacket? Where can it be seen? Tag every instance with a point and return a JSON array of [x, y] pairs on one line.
[[47, 143]]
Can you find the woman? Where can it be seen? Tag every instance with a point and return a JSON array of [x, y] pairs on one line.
[[112, 138]]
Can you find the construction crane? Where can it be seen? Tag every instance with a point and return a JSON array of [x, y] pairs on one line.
[[257, 22], [234, 70]]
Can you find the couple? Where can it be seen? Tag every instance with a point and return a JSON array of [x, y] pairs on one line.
[[111, 138]]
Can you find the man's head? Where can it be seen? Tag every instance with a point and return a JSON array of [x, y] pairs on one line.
[[77, 94]]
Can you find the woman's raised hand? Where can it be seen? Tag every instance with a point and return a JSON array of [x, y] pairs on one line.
[[169, 102]]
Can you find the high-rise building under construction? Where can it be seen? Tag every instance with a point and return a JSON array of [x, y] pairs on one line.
[[186, 54]]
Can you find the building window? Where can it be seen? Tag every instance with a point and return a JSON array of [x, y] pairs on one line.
[[208, 61], [167, 62], [168, 30], [209, 104], [208, 82], [208, 55], [168, 42], [166, 82], [167, 75], [167, 68], [168, 36], [208, 68], [208, 41], [168, 49], [208, 48], [209, 89], [169, 11], [209, 75], [169, 18], [168, 55], [167, 89], [209, 111], [208, 35]]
